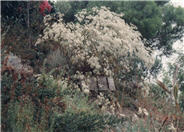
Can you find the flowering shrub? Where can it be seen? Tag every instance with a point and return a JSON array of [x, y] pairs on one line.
[[100, 43]]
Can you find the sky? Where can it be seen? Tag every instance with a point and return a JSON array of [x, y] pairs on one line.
[[178, 2]]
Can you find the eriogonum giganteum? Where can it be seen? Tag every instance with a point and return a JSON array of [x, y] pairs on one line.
[[97, 40]]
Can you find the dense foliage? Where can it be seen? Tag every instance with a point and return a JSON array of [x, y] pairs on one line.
[[42, 103], [50, 51]]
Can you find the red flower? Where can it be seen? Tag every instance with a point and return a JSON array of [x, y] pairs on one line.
[[45, 5]]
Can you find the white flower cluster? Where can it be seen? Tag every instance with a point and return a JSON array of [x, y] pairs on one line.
[[106, 104], [99, 37]]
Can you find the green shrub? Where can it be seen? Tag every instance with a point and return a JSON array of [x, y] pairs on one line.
[[20, 116], [83, 122]]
